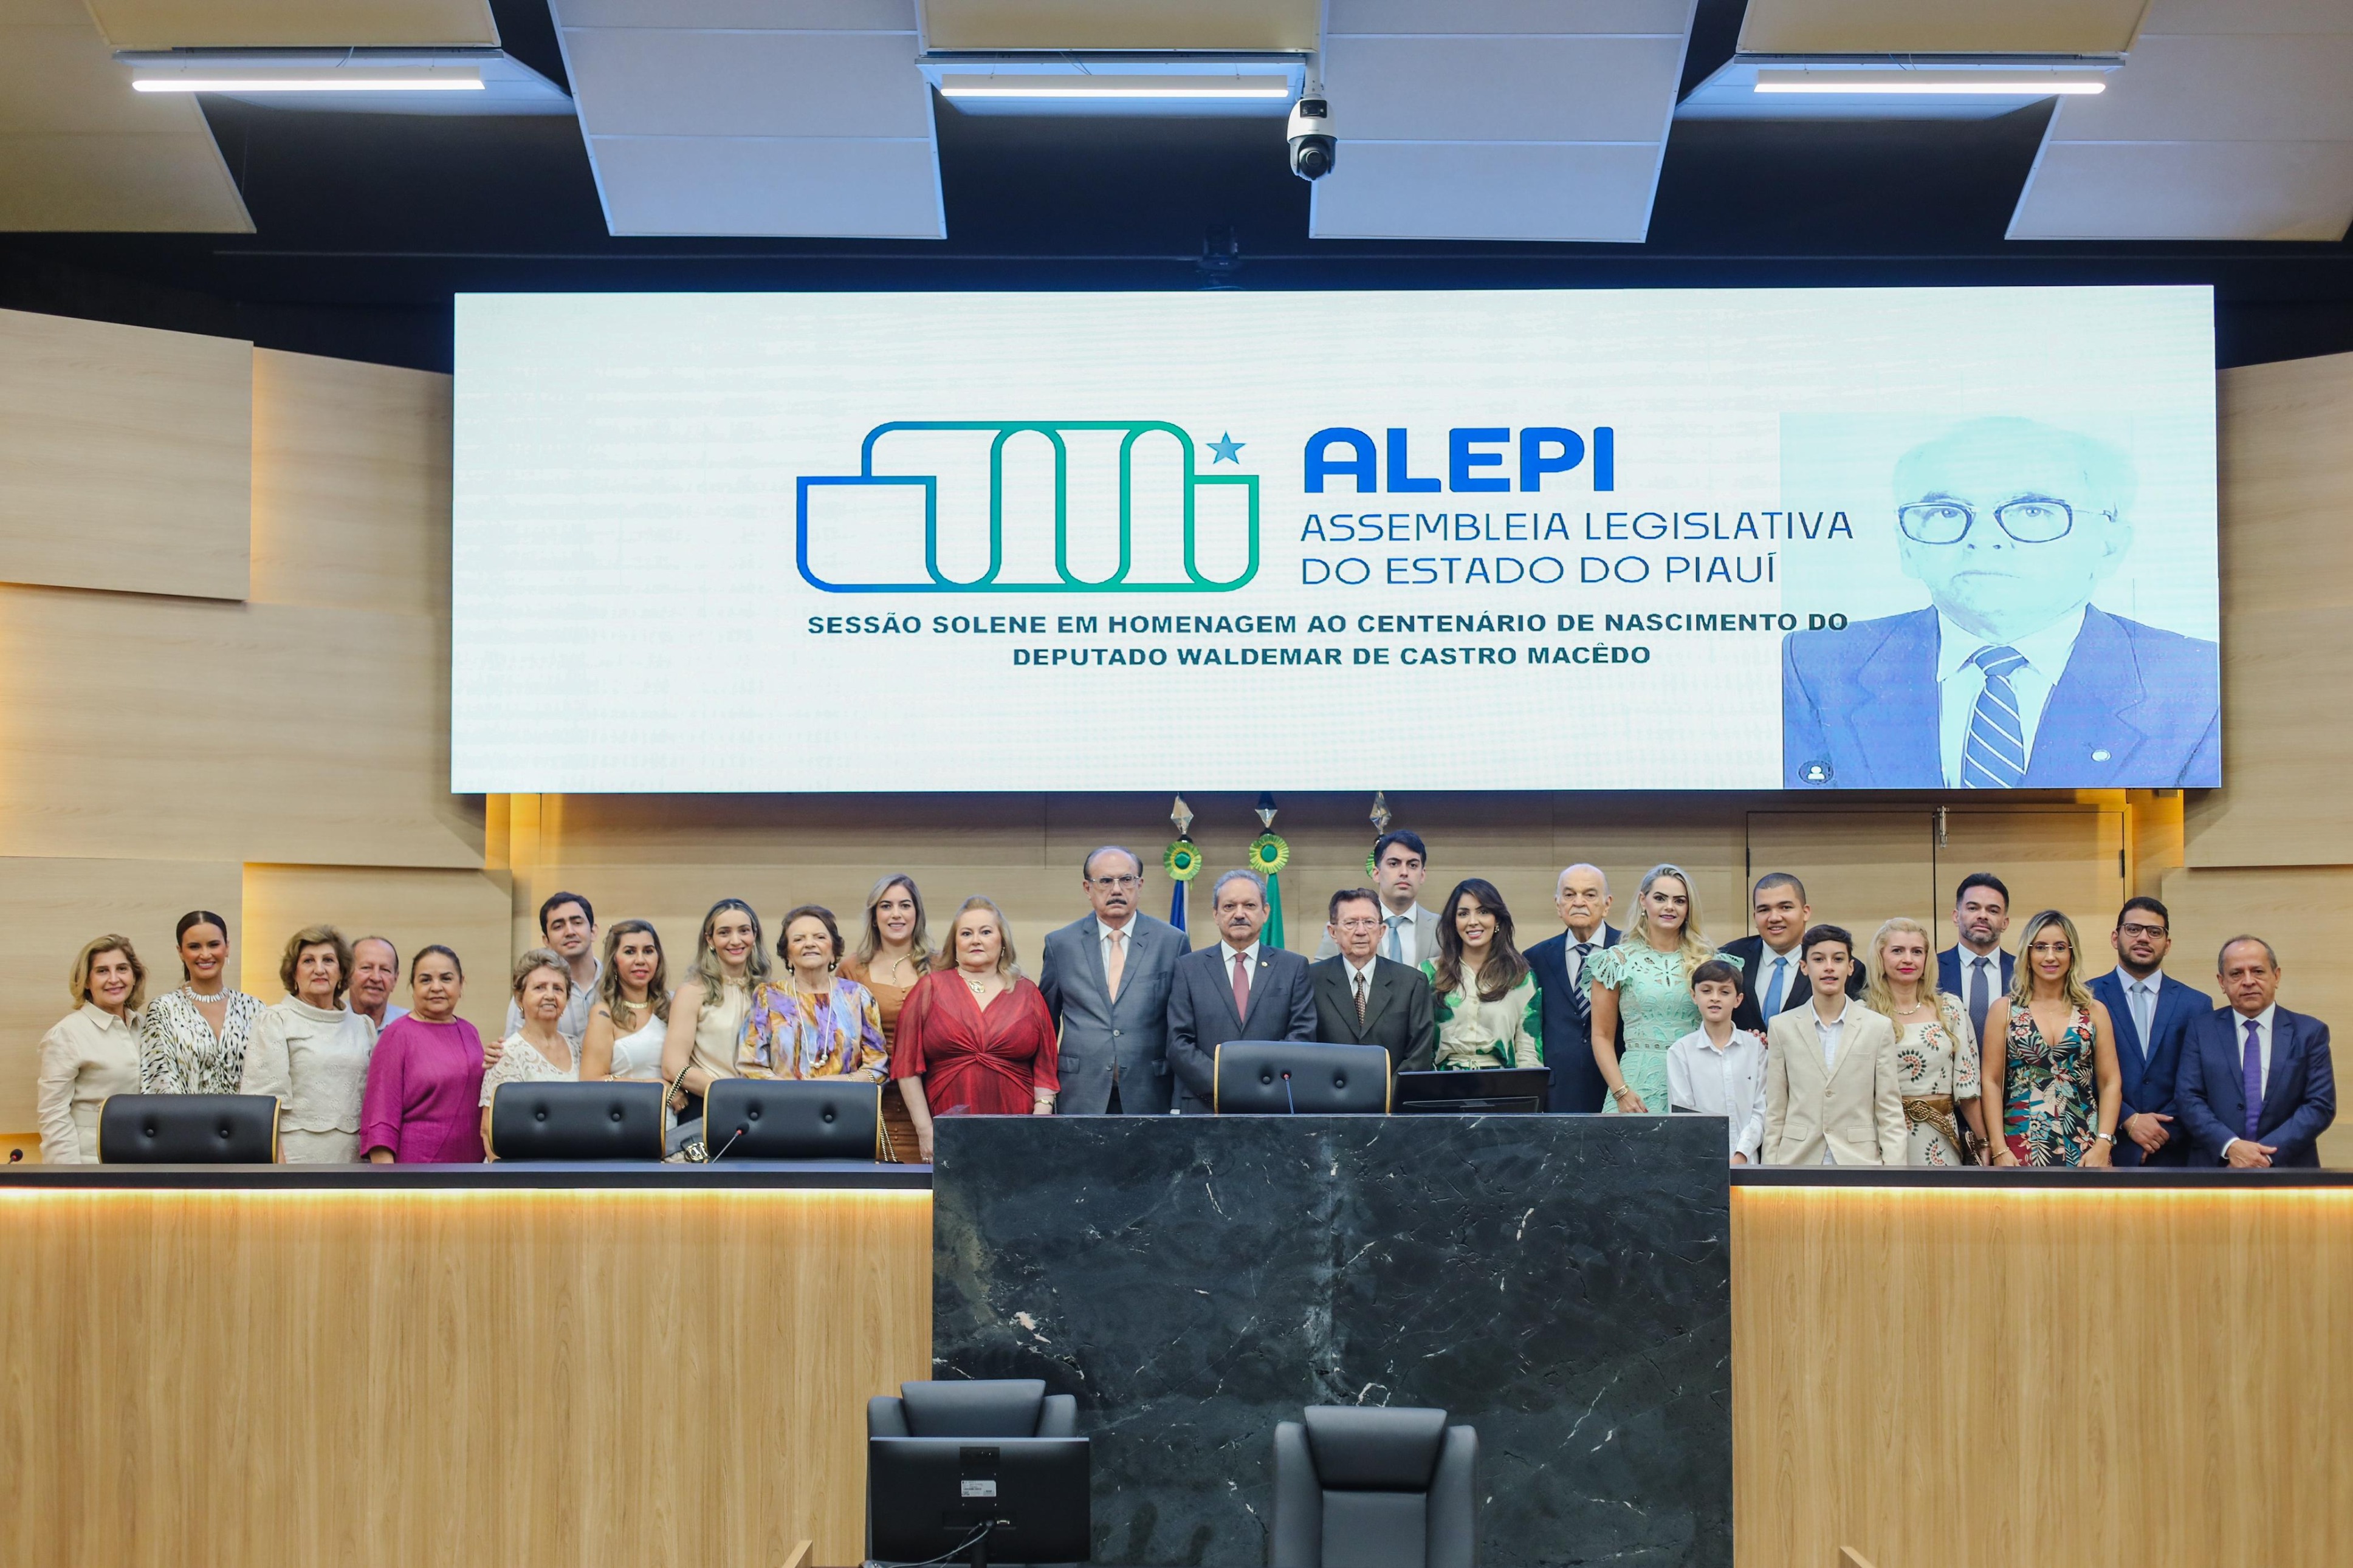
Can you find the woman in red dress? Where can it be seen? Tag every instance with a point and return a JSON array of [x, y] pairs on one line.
[[974, 1038]]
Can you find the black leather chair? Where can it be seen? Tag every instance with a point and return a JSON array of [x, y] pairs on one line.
[[792, 1119], [1359, 1488], [187, 1129], [998, 1407], [559, 1121], [1275, 1078]]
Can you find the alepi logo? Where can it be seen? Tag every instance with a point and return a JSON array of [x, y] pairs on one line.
[[1471, 451]]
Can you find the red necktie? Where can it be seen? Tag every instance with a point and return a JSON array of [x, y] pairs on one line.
[[1241, 990]]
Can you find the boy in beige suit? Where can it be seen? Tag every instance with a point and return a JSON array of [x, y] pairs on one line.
[[1831, 1097]]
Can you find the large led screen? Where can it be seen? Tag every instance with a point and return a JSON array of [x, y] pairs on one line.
[[1818, 539]]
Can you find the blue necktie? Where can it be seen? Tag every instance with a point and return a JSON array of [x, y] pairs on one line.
[[1396, 952], [1994, 757], [2253, 1085], [1777, 989]]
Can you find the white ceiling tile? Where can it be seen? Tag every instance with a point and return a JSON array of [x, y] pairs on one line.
[[655, 83], [2187, 190], [679, 185], [1470, 190], [756, 16], [1536, 17], [1938, 27], [1515, 89], [2248, 16], [2274, 87]]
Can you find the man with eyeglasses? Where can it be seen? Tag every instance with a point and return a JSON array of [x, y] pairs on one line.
[[2152, 1012], [1364, 999], [1105, 980], [2013, 677]]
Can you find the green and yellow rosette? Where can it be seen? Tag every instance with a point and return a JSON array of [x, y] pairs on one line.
[[1268, 855], [1183, 860]]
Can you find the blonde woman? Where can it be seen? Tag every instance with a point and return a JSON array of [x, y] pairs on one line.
[[706, 1016], [313, 1052], [539, 1051], [1935, 1050], [891, 954], [975, 1037], [2054, 1073], [92, 1051], [629, 1023], [1644, 984], [193, 1040]]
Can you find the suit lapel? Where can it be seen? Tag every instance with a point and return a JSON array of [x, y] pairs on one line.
[[1261, 976], [1378, 995], [2088, 731], [1894, 728], [2120, 1014], [1090, 937], [1337, 991], [2285, 1047]]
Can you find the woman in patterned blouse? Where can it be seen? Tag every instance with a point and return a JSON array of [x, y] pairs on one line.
[[1488, 1012], [193, 1040], [817, 1023]]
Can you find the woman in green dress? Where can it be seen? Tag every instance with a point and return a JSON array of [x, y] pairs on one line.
[[1487, 1009], [1644, 984]]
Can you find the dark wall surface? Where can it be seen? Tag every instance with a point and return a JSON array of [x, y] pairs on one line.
[[1561, 1283]]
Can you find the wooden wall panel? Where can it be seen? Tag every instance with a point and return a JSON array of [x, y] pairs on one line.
[[463, 910], [50, 907], [2067, 857], [379, 1380], [1957, 1379], [126, 456], [2286, 474], [163, 728], [351, 486], [1859, 868]]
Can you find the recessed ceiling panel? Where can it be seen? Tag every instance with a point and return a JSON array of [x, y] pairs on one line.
[[291, 23], [1939, 26], [1237, 25]]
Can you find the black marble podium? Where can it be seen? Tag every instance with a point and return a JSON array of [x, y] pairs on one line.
[[1562, 1283]]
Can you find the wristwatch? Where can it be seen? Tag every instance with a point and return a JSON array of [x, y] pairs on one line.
[[2104, 1137]]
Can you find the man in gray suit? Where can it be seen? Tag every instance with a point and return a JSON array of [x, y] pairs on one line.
[[1238, 990], [1105, 978], [1364, 999], [1411, 933]]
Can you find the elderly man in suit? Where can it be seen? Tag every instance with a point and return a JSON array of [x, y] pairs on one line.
[[1580, 895], [2152, 1012], [2257, 1086], [2011, 678], [1105, 979], [1832, 1096], [1400, 861], [1364, 999], [1239, 990]]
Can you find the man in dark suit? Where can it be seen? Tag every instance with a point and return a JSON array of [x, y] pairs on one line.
[[2152, 1012], [1105, 979], [1968, 968], [1364, 999], [1772, 970], [1581, 894], [2012, 678], [1238, 990], [2257, 1088]]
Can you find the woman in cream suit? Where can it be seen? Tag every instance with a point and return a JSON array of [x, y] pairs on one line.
[[92, 1052], [1833, 1088]]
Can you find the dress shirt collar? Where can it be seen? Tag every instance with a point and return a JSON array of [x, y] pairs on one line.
[[1355, 974], [1731, 1043], [2262, 1022], [1839, 1022], [1105, 930], [1249, 955], [1969, 960], [2154, 980], [2047, 650], [103, 1019]]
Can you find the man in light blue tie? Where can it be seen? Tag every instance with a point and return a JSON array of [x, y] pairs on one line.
[[1400, 864], [1778, 904], [2257, 1086], [2152, 1012]]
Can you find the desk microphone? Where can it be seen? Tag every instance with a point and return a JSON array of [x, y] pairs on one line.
[[712, 1158], [1287, 1100]]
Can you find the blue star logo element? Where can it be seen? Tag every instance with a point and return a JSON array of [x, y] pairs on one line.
[[1226, 449]]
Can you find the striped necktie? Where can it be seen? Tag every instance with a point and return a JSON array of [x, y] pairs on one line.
[[1994, 757]]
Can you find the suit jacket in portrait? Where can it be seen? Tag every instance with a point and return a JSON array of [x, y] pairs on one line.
[[1425, 937], [1948, 975], [2150, 1066], [1853, 1105], [2136, 707], [1100, 1033], [2210, 1098], [1399, 1014], [1201, 1013], [1754, 978], [1568, 1023]]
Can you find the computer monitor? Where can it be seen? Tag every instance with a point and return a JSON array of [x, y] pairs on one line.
[[978, 1499], [1474, 1091]]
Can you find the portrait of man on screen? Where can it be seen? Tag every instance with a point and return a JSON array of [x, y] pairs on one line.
[[2011, 678]]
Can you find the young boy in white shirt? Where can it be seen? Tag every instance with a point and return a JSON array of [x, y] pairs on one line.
[[1716, 1069]]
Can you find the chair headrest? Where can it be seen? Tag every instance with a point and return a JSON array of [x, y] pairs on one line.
[[999, 1407], [1375, 1449]]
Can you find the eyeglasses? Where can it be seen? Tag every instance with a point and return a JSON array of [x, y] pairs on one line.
[[2050, 950], [2033, 519], [1361, 924], [2135, 929], [1108, 883]]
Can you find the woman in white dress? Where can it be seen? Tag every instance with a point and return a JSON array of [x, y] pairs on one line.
[[630, 1018], [313, 1052], [92, 1051], [538, 1052], [193, 1040]]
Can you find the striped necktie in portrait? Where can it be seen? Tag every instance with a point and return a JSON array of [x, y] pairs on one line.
[[1994, 757]]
